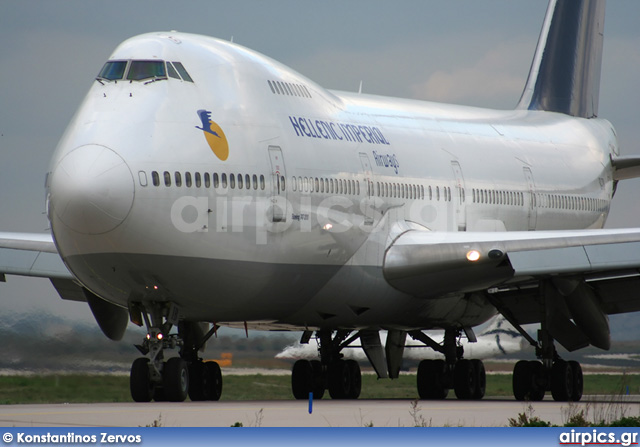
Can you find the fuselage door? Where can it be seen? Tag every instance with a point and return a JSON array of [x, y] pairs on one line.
[[367, 207], [459, 199], [533, 211], [278, 208]]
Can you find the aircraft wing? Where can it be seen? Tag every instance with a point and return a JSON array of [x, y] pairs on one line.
[[29, 254], [26, 254], [592, 272]]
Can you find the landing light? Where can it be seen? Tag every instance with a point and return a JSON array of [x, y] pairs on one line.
[[473, 255], [327, 227]]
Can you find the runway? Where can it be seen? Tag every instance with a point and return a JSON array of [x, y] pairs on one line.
[[326, 413]]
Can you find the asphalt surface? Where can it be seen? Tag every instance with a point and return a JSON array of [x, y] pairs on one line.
[[325, 413]]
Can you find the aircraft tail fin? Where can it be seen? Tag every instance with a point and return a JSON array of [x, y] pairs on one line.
[[565, 73]]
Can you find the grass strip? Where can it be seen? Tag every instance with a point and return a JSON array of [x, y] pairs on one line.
[[106, 388]]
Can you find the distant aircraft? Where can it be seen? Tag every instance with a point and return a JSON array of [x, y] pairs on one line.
[[202, 184]]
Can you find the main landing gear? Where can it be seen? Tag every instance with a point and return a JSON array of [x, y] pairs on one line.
[[436, 377], [153, 378], [532, 379], [341, 377]]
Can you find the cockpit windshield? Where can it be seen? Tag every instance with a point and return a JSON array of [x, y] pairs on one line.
[[113, 70], [142, 70]]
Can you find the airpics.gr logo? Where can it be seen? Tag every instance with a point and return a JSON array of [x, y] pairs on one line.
[[215, 136]]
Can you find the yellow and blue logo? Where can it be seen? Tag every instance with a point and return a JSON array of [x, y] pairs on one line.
[[214, 135]]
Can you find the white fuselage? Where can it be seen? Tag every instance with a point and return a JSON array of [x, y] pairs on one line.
[[328, 179]]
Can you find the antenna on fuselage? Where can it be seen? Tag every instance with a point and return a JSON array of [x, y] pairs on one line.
[[360, 88]]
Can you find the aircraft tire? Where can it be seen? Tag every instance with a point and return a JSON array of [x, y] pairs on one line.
[[561, 381], [213, 381], [339, 380], [355, 379], [197, 381], [522, 380], [302, 379], [430, 380], [140, 384], [465, 380], [538, 381], [318, 379], [175, 378], [481, 379], [578, 381]]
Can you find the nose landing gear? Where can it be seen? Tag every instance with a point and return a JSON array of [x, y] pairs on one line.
[[153, 378]]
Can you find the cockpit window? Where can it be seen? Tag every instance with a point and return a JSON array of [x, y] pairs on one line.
[[113, 70], [140, 70], [172, 71], [182, 71]]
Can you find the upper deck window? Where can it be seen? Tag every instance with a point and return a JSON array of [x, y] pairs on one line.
[[140, 70], [113, 70]]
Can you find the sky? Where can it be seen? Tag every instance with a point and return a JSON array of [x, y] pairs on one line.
[[463, 51]]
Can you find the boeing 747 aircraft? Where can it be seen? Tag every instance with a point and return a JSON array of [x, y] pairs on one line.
[[202, 184]]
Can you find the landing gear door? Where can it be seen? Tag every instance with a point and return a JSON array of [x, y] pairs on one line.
[[278, 205]]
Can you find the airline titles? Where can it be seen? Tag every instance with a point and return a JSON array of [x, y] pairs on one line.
[[329, 130]]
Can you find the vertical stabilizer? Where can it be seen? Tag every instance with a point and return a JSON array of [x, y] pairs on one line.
[[565, 73]]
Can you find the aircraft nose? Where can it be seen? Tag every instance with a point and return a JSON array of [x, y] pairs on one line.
[[92, 189]]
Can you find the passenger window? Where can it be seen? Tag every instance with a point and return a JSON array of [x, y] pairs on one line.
[[216, 180], [178, 177], [198, 180], [155, 178], [247, 181], [232, 181], [167, 178], [255, 181], [207, 180], [282, 183], [142, 177], [187, 179], [239, 181], [262, 182], [224, 180]]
